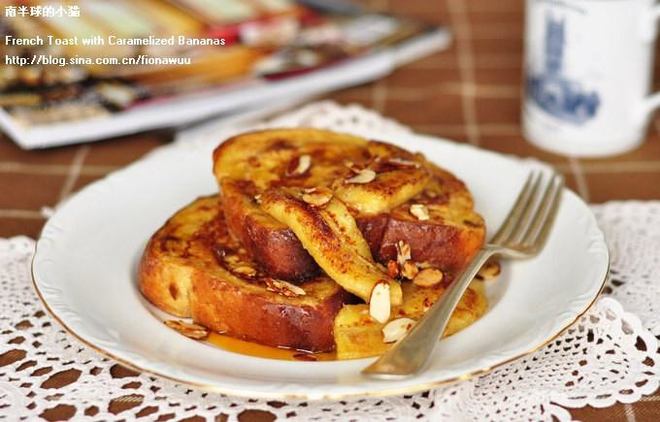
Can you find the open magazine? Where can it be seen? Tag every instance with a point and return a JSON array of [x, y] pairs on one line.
[[128, 66]]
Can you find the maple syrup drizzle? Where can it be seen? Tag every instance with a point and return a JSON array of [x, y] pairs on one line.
[[253, 349]]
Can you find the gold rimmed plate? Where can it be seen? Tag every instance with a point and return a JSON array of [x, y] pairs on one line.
[[84, 270]]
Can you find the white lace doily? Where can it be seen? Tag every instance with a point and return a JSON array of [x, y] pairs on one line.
[[610, 355]]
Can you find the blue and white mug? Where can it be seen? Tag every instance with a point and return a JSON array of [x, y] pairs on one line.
[[588, 73]]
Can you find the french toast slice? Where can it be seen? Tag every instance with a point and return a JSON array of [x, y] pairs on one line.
[[248, 164], [277, 157], [271, 157], [192, 267]]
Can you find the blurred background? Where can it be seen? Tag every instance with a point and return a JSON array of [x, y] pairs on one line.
[[468, 90]]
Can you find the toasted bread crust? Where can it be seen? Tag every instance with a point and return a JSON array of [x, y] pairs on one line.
[[190, 268], [448, 240], [271, 244], [254, 317]]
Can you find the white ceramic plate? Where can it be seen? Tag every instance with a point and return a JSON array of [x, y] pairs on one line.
[[85, 272]]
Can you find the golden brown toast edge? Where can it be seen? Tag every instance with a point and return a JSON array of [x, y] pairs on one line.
[[272, 244], [180, 274]]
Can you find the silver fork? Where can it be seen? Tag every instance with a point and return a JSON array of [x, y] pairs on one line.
[[522, 235]]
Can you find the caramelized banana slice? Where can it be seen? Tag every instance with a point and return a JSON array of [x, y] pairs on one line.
[[396, 176], [331, 236], [340, 221], [386, 191]]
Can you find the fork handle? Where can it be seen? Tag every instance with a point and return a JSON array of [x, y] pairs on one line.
[[411, 354]]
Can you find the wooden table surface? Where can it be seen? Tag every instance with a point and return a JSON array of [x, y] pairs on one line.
[[469, 93]]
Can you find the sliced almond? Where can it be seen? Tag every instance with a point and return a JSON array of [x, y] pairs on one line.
[[363, 176], [403, 252], [284, 288], [428, 277], [299, 165], [309, 357], [420, 211], [489, 271], [317, 197], [396, 329], [424, 265], [431, 194], [190, 330], [245, 270], [409, 270], [379, 302], [403, 162], [257, 198], [232, 259]]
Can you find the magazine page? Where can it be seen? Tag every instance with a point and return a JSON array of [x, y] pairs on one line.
[[90, 70]]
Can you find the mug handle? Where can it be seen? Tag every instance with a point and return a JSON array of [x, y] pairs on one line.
[[649, 32]]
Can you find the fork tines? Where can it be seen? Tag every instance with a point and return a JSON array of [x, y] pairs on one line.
[[529, 222]]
